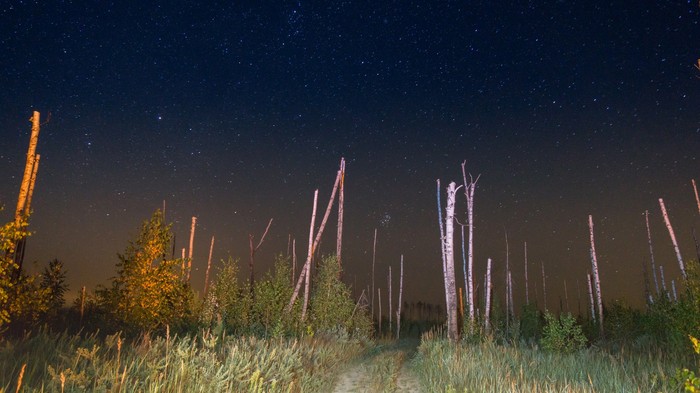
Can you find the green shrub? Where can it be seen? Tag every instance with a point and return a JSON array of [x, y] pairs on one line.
[[562, 334]]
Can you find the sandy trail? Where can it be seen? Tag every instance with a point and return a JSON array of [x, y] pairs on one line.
[[358, 379]]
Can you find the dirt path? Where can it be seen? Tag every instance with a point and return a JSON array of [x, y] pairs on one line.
[[373, 372]]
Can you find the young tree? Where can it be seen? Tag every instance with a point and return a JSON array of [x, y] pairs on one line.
[[53, 280], [147, 292], [10, 234]]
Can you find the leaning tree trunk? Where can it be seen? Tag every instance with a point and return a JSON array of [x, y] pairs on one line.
[[591, 302], [189, 258], [673, 238], [697, 198], [21, 213], [596, 276], [651, 253], [253, 250], [206, 274]]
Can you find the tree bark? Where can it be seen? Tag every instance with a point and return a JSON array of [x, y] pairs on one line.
[[253, 250], [452, 327], [341, 199], [189, 258], [389, 300], [487, 310], [673, 238], [697, 198], [596, 276], [651, 253], [469, 188], [206, 275], [591, 301], [374, 256], [398, 312], [527, 283], [544, 288]]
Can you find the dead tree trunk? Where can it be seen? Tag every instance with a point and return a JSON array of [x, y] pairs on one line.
[[527, 283], [253, 250], [469, 188], [673, 238], [697, 198], [544, 288], [294, 260], [374, 256], [443, 243], [663, 282], [23, 199], [450, 288], [398, 311], [389, 300], [341, 198], [379, 299], [487, 309], [189, 258], [651, 253], [591, 302], [596, 276], [206, 274]]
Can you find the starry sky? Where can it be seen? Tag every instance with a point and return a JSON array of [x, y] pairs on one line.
[[235, 112]]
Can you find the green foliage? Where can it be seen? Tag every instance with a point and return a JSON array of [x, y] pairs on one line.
[[530, 323], [562, 334], [622, 322], [53, 281], [228, 305], [10, 234], [147, 292], [332, 307], [272, 295]]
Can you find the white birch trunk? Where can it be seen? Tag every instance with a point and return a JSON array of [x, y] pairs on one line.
[[663, 282], [374, 257], [379, 303], [307, 264], [442, 243], [673, 288], [510, 294], [302, 274], [469, 193], [487, 309], [389, 300], [450, 286], [673, 238], [591, 302], [341, 199], [544, 288], [596, 276]]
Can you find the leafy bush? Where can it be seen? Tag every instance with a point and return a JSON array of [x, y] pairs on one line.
[[562, 334]]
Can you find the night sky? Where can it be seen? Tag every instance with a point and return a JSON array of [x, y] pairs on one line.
[[236, 113]]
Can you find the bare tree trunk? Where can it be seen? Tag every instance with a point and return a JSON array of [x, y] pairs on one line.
[[673, 238], [487, 309], [566, 297], [28, 167], [450, 289], [469, 188], [341, 198], [507, 282], [82, 304], [374, 256], [443, 247], [663, 282], [303, 272], [307, 270], [22, 243], [398, 312], [596, 276], [544, 288], [697, 198], [651, 253], [206, 275], [189, 259], [673, 288], [294, 260], [527, 283], [390, 301], [510, 295], [590, 297], [253, 250], [379, 298]]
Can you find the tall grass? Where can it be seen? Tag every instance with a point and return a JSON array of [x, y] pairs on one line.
[[491, 367], [202, 363]]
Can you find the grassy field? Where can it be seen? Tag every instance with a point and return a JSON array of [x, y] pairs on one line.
[[491, 367], [203, 363]]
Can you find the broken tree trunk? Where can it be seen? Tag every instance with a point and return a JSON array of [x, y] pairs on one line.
[[450, 287], [253, 250], [487, 309], [697, 198], [374, 256], [341, 198], [389, 300], [651, 253], [469, 188], [189, 259], [21, 213], [398, 312], [591, 302]]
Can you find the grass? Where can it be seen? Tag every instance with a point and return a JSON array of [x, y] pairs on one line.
[[202, 363], [491, 367]]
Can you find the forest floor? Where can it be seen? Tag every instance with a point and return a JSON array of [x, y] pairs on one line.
[[385, 370]]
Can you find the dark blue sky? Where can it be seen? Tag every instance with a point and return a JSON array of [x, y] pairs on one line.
[[236, 113]]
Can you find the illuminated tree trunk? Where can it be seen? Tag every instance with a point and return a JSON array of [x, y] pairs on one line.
[[389, 300], [398, 312], [591, 302], [306, 270], [469, 188], [24, 197], [487, 309], [673, 238], [294, 260], [450, 289], [596, 276], [206, 275], [697, 198], [442, 243], [651, 253], [341, 198], [663, 282], [189, 258], [253, 250]]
